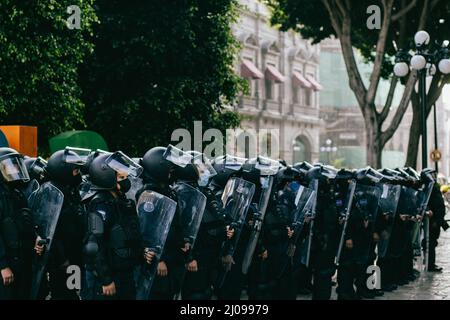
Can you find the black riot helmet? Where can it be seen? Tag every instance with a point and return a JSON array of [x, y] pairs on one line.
[[368, 176], [321, 173], [226, 167], [287, 174], [303, 168], [345, 175], [250, 172], [36, 168], [61, 171], [392, 176], [12, 166], [92, 155], [186, 173], [428, 175], [104, 169], [411, 180], [101, 175], [156, 167], [413, 173]]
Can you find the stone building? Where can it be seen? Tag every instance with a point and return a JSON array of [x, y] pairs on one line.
[[282, 71]]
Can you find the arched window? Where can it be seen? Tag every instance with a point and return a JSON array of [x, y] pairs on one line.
[[301, 150]]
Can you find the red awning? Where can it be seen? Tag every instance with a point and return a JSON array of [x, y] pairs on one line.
[[316, 85], [273, 74], [300, 80], [249, 70]]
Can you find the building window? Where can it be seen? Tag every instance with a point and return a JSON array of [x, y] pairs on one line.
[[308, 97], [295, 94], [269, 89], [251, 91], [301, 150]]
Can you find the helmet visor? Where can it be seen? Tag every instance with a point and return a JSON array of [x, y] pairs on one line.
[[123, 164], [177, 156], [13, 168], [77, 156], [266, 166], [204, 168], [38, 166]]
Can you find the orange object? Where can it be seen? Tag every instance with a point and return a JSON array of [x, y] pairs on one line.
[[22, 138]]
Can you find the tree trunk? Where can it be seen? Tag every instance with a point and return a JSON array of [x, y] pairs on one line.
[[414, 137], [374, 147]]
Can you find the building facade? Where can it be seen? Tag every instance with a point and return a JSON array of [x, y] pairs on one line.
[[282, 71]]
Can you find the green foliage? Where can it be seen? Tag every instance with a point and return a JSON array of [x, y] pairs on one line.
[[39, 61], [158, 66]]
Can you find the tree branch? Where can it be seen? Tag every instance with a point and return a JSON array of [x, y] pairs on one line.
[[404, 11], [381, 47], [387, 106], [403, 106], [423, 16]]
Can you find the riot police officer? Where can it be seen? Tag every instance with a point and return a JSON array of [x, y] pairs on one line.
[[66, 248], [112, 244], [324, 237], [278, 231], [157, 176], [16, 231]]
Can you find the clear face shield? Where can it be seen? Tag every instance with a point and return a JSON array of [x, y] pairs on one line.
[[233, 163], [123, 165], [38, 166], [77, 156], [266, 166], [177, 156], [13, 168], [204, 169]]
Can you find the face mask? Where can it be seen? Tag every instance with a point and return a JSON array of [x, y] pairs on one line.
[[125, 185], [203, 180], [76, 180]]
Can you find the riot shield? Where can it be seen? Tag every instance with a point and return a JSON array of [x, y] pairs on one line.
[[423, 198], [29, 189], [304, 203], [366, 201], [344, 216], [258, 219], [155, 213], [191, 204], [46, 207], [314, 185], [136, 185], [236, 199], [408, 202], [389, 198]]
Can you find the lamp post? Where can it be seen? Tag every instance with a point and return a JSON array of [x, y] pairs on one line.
[[328, 148], [424, 61]]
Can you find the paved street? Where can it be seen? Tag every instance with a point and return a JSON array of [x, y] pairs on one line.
[[430, 286]]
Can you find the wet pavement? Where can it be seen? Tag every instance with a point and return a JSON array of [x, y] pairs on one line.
[[430, 285]]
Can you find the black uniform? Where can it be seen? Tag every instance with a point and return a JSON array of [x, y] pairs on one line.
[[165, 288], [16, 242], [198, 285], [437, 206], [113, 246], [67, 245]]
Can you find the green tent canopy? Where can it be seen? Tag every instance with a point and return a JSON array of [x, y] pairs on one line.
[[81, 139]]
